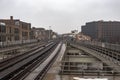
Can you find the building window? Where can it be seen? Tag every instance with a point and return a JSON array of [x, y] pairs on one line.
[[10, 38], [2, 38], [16, 38], [16, 31], [25, 26], [10, 30], [2, 28], [24, 35], [17, 23]]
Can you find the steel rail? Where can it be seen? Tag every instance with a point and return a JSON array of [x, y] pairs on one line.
[[49, 63], [10, 62], [11, 70], [28, 68]]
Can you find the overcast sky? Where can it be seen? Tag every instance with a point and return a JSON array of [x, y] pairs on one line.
[[62, 15]]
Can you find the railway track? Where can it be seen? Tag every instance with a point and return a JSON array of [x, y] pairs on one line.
[[17, 50], [22, 65], [109, 57], [108, 52], [41, 71], [114, 54], [11, 61]]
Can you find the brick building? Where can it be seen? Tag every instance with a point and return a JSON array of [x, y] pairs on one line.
[[41, 33], [106, 31], [14, 30]]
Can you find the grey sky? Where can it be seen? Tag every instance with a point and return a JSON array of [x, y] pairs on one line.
[[62, 15]]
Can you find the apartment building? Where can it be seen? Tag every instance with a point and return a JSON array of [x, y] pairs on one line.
[[105, 31], [14, 30], [42, 34]]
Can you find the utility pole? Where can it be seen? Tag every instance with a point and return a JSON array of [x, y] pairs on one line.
[[49, 32]]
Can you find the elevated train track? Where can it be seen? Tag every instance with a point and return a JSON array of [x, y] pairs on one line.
[[18, 67], [13, 60], [108, 56], [34, 64], [113, 54], [13, 51]]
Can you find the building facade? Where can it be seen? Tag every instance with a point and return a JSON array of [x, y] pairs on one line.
[[42, 34], [14, 30], [2, 32], [105, 31], [39, 33]]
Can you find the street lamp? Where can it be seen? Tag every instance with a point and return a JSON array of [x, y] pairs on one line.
[[49, 32]]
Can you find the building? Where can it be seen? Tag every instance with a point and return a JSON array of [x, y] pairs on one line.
[[105, 31], [39, 33], [42, 34], [82, 37], [2, 32], [14, 30]]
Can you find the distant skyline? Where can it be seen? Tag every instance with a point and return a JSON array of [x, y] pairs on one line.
[[62, 15]]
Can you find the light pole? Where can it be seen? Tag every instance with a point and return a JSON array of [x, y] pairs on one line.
[[49, 32]]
